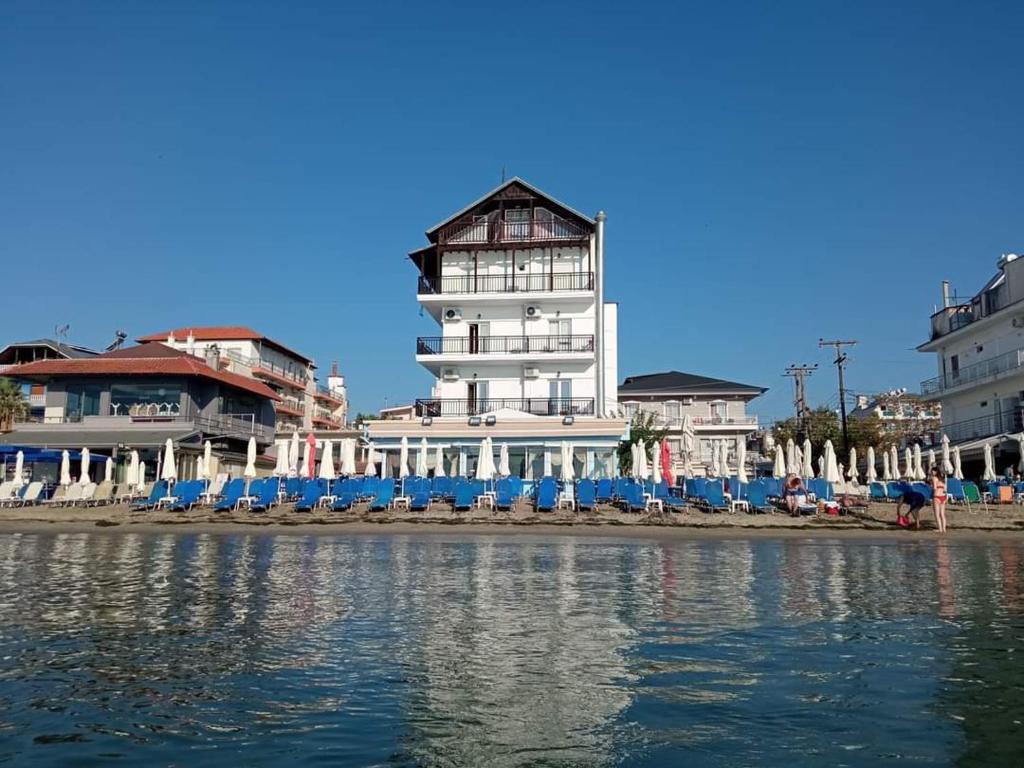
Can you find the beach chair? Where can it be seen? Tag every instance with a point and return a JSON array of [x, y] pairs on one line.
[[586, 494], [546, 496], [757, 497], [695, 487], [621, 487], [88, 491], [347, 494], [923, 488], [772, 487], [604, 490], [633, 499], [30, 495], [441, 487], [371, 485], [894, 490], [293, 489], [384, 496], [188, 493], [57, 497], [7, 491], [267, 495], [504, 494], [955, 490], [877, 491], [102, 494], [971, 493], [463, 494], [311, 495], [72, 495], [156, 492], [233, 491], [714, 496], [419, 493], [664, 494]]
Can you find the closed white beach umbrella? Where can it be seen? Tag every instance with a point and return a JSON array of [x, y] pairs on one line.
[[547, 463], [852, 472], [909, 470], [641, 454], [504, 467], [821, 465], [65, 469], [371, 463], [726, 472], [108, 470], [483, 464], [250, 460], [439, 462], [83, 475], [200, 469], [656, 466], [716, 461], [688, 435], [947, 465], [169, 467], [142, 474], [281, 467], [990, 465], [958, 470], [293, 456], [207, 473], [384, 470], [741, 461], [769, 443], [307, 459], [886, 471], [464, 462], [568, 471], [327, 462], [403, 458], [894, 462], [1020, 449], [872, 475], [19, 468], [421, 458], [792, 467], [634, 460], [808, 468], [918, 465], [931, 459], [133, 470], [831, 472], [348, 457], [687, 466], [779, 470]]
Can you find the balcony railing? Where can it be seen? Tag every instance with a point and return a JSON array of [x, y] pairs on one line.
[[498, 345], [538, 406], [510, 283], [292, 374], [984, 426], [476, 231], [1009, 361]]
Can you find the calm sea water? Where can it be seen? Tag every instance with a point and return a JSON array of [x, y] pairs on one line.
[[269, 650]]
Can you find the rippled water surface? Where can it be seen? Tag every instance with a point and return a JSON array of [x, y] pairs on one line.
[[264, 650]]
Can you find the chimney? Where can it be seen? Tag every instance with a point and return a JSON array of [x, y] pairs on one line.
[[945, 295], [213, 357], [334, 367]]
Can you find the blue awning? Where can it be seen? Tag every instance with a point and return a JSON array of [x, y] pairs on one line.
[[10, 452]]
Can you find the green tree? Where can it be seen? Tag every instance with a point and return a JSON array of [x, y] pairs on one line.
[[823, 424], [359, 418], [12, 404], [643, 428]]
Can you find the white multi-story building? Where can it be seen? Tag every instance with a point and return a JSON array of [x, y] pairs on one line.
[[979, 349], [305, 403], [514, 282]]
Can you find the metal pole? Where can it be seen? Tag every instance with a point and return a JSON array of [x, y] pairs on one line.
[[599, 381], [840, 361]]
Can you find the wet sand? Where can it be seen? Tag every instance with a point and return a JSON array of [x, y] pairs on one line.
[[874, 521]]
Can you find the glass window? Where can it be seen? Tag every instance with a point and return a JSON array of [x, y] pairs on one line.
[[145, 400], [82, 401], [673, 409], [718, 410]]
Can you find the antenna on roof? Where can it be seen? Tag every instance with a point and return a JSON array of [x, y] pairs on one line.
[[503, 174], [61, 332]]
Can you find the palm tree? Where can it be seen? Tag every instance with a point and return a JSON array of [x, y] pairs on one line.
[[12, 403]]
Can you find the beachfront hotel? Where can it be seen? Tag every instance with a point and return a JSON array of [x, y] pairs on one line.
[[525, 347], [978, 344], [692, 409]]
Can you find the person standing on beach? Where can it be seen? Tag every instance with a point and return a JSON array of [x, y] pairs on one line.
[[938, 484], [915, 503]]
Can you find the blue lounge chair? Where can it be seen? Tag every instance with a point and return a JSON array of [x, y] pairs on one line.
[[158, 492], [504, 494], [757, 497], [546, 496], [664, 494], [266, 497], [188, 493], [441, 488], [772, 487], [621, 487], [923, 488], [894, 490], [877, 491], [293, 488], [586, 494], [604, 489], [418, 491], [233, 491], [371, 485], [695, 487], [714, 495], [311, 495], [633, 499], [463, 494], [955, 490], [384, 496]]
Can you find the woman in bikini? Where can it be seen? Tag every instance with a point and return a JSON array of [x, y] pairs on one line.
[[938, 484]]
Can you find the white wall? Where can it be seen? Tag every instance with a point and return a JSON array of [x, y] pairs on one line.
[[611, 357]]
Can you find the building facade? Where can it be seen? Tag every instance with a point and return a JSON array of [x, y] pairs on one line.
[[978, 345], [904, 416], [305, 404], [138, 397], [20, 352], [525, 348], [715, 408]]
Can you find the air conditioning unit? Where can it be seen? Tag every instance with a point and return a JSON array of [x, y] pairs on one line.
[[531, 372], [450, 374], [452, 314], [532, 312], [687, 401]]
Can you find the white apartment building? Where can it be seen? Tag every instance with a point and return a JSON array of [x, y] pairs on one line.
[[717, 411], [515, 284], [305, 403], [979, 351]]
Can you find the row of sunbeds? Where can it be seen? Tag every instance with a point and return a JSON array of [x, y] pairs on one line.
[[958, 491]]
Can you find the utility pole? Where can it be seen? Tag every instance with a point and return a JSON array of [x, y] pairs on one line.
[[840, 361], [798, 373]]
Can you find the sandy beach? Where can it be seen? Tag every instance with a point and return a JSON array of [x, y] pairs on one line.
[[877, 520]]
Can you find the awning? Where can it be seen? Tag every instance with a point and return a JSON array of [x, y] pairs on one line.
[[98, 438]]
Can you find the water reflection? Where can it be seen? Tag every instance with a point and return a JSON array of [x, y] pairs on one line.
[[434, 651]]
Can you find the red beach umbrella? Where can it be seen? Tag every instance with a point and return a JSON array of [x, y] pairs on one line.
[[311, 442], [666, 463]]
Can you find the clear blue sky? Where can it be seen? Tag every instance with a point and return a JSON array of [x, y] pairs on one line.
[[772, 172]]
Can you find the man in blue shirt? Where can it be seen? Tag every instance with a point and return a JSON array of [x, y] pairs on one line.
[[914, 500]]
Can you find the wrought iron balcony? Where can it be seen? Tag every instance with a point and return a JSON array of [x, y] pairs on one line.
[[499, 345], [1008, 362], [538, 406], [519, 282], [984, 426]]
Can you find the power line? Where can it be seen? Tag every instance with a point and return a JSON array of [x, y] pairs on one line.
[[799, 373], [840, 361]]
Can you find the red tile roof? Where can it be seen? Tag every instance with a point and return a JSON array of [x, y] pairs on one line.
[[222, 333], [144, 360]]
